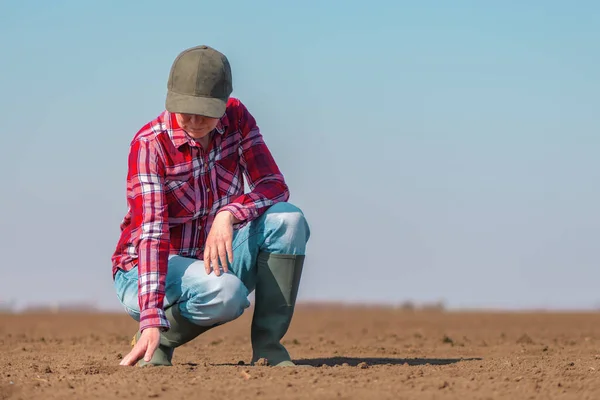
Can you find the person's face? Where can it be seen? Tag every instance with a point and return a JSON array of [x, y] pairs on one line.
[[196, 126]]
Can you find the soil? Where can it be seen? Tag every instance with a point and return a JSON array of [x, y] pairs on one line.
[[356, 353]]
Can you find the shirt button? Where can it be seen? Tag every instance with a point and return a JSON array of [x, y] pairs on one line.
[[208, 190]]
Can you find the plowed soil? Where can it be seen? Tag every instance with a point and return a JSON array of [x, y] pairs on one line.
[[356, 353]]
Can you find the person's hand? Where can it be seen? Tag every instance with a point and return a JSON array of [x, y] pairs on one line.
[[218, 243], [145, 347]]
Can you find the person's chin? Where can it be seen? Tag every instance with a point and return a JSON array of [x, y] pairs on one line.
[[197, 134]]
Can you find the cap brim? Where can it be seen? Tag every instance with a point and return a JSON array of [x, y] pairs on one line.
[[186, 104]]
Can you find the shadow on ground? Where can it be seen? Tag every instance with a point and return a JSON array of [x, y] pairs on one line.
[[355, 361]]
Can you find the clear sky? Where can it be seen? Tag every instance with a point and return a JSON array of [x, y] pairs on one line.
[[440, 150]]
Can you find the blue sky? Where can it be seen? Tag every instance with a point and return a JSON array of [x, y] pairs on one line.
[[440, 150]]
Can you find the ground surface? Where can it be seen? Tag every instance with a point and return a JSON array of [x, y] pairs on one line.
[[358, 353]]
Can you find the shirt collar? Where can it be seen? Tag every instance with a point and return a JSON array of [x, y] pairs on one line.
[[179, 137]]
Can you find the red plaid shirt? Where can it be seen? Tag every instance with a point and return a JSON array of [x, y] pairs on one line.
[[175, 189]]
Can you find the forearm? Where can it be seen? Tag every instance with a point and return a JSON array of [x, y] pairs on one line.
[[267, 192], [152, 272]]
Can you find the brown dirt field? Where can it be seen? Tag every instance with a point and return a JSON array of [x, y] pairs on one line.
[[358, 352]]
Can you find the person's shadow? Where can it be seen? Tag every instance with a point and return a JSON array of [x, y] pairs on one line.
[[370, 361], [355, 361]]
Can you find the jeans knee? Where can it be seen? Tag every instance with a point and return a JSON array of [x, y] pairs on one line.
[[223, 300], [233, 297], [127, 293], [289, 219]]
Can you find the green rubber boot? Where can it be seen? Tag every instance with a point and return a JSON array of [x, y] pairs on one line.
[[181, 332], [278, 279]]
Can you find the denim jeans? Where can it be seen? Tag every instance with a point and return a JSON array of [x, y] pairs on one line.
[[209, 300]]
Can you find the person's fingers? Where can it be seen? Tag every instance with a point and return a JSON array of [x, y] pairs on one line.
[[125, 360], [207, 267], [223, 256], [150, 351], [134, 355], [214, 259]]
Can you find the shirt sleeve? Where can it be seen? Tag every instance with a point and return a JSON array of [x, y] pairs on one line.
[[266, 182], [149, 215]]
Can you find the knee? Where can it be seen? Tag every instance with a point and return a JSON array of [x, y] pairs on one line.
[[226, 301], [127, 293], [289, 218], [233, 297]]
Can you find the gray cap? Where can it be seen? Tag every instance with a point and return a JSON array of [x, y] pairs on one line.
[[199, 83]]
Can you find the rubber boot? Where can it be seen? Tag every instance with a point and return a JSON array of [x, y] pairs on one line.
[[181, 332], [278, 279]]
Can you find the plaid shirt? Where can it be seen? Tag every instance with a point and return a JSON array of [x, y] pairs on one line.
[[175, 189]]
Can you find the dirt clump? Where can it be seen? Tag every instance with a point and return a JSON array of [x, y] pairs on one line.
[[524, 339]]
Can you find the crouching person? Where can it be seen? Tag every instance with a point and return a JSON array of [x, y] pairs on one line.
[[193, 245]]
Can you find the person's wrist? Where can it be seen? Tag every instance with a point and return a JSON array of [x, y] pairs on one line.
[[228, 216], [151, 329]]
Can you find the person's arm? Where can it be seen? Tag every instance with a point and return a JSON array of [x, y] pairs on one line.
[[150, 215], [267, 184]]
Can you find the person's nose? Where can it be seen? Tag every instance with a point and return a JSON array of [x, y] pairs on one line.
[[196, 119]]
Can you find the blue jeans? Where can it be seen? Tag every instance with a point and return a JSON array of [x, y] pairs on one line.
[[209, 300]]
